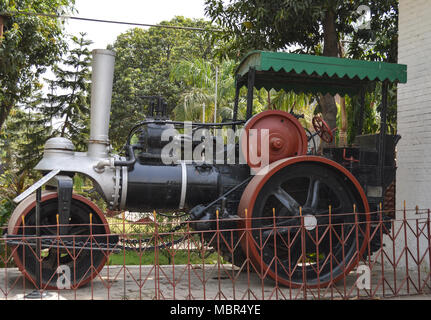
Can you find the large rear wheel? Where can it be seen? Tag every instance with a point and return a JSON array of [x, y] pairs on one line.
[[300, 222]]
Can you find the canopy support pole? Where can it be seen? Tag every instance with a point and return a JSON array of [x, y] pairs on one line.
[[361, 112], [236, 102], [382, 137], [250, 87]]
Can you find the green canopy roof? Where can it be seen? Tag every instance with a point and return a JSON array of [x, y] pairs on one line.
[[308, 73]]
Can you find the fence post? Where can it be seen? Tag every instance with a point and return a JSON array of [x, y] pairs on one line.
[[382, 258], [406, 247], [38, 245], [247, 248], [330, 250], [429, 245], [418, 257], [91, 254], [274, 222], [23, 251], [57, 218], [156, 257], [303, 250]]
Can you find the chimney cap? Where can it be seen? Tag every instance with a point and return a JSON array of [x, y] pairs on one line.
[[103, 51]]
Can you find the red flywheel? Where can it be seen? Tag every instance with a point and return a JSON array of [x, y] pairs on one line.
[[282, 132]]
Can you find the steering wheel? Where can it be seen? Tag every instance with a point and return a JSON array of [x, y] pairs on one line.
[[322, 129]]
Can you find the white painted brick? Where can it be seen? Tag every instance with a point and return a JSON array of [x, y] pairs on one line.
[[414, 108]]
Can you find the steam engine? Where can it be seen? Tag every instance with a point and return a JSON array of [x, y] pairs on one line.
[[294, 184]]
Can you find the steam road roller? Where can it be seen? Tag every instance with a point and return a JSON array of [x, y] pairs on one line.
[[265, 179]]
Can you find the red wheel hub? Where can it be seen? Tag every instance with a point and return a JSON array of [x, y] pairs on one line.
[[283, 133]]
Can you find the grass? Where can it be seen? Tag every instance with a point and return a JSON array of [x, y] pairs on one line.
[[164, 258], [116, 226], [148, 258]]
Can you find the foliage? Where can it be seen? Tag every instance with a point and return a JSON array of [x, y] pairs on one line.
[[380, 41], [144, 59], [198, 78], [371, 118], [23, 140], [12, 184], [29, 45], [69, 101], [283, 24], [328, 27], [29, 126], [21, 146]]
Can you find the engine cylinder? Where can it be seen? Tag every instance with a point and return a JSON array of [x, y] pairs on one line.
[[152, 187]]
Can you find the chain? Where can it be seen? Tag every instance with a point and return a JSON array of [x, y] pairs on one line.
[[134, 242], [126, 244]]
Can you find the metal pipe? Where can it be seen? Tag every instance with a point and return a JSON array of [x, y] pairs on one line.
[[101, 92], [131, 160]]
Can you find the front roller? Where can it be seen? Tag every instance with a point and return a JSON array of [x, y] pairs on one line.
[[318, 194], [83, 264]]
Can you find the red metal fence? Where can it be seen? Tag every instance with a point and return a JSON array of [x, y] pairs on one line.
[[264, 258]]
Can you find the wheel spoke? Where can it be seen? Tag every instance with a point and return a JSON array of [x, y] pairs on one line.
[[313, 194], [287, 201], [282, 228]]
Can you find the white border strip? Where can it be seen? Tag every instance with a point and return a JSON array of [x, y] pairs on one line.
[[183, 184], [36, 186]]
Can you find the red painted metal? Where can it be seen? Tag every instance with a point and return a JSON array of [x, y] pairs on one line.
[[322, 129], [287, 137]]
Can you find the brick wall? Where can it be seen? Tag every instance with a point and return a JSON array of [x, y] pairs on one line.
[[414, 109], [414, 105]]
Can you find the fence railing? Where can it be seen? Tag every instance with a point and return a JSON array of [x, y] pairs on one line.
[[348, 256]]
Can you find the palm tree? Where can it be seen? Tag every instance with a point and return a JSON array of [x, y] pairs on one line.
[[199, 77]]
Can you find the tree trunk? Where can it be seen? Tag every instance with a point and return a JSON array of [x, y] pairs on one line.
[[4, 113], [342, 135], [330, 36], [5, 110], [1, 28], [329, 110], [343, 130], [330, 49], [269, 101]]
